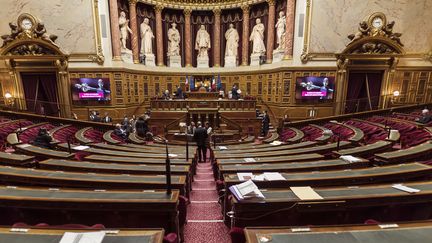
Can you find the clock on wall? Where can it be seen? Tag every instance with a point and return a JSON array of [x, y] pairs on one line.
[[26, 22], [377, 21]]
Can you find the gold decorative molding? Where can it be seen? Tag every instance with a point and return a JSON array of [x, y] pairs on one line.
[[159, 7], [202, 4], [187, 11], [428, 56], [217, 11], [305, 55], [98, 57], [271, 2]]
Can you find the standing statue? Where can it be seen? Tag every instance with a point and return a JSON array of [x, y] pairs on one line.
[[281, 30], [173, 41], [202, 43], [257, 37], [146, 38], [232, 39], [124, 30]]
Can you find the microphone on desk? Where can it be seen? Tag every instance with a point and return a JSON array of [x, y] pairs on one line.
[[338, 142], [168, 169]]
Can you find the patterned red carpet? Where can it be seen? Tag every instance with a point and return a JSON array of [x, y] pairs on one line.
[[204, 218]]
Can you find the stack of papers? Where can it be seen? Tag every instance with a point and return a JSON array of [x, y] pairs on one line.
[[276, 143], [350, 158], [394, 134], [222, 148], [88, 237], [246, 190], [405, 188], [273, 176]]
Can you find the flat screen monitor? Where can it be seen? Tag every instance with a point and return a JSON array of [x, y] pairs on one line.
[[315, 88], [96, 89]]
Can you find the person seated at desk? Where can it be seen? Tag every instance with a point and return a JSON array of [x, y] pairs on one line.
[[191, 128], [94, 117], [166, 95], [119, 131], [43, 139], [221, 94], [106, 118], [425, 118]]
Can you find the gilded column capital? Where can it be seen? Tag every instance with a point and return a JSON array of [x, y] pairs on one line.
[[270, 2], [133, 2], [217, 11], [245, 8], [187, 11], [159, 7]]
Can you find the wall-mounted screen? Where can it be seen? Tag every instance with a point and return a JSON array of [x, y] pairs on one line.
[[315, 88], [87, 89]]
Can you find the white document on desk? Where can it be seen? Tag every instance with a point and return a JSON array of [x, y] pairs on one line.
[[249, 160], [405, 188], [305, 193], [85, 237], [222, 148], [350, 158], [276, 143], [273, 176], [81, 147], [244, 176]]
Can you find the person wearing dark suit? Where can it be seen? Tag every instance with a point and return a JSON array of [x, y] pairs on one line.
[[426, 117], [179, 93], [119, 131], [43, 139], [106, 118], [141, 127], [200, 137], [234, 93], [265, 123]]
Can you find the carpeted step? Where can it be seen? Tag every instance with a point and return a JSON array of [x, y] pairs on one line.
[[204, 185], [209, 232], [208, 177], [204, 211], [203, 195]]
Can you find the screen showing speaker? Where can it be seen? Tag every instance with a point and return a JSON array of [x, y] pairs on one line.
[[315, 88], [91, 89]]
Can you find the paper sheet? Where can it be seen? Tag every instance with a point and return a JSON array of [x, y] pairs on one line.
[[350, 158], [172, 155], [405, 188], [245, 176], [246, 190], [81, 147], [273, 176], [222, 148], [276, 143], [87, 237], [305, 193], [249, 160]]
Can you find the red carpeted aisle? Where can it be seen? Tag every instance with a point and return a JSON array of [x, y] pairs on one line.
[[204, 217]]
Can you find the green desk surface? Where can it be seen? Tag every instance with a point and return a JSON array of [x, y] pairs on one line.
[[408, 232], [69, 165], [423, 148], [15, 157], [361, 150], [275, 159], [29, 174], [369, 174], [144, 149], [38, 151], [316, 149], [54, 236], [308, 165], [265, 149], [134, 160], [121, 153]]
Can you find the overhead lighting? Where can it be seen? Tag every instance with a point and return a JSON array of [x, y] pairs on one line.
[[8, 95], [396, 93]]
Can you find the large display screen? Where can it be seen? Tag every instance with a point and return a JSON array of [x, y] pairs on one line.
[[97, 89], [314, 88]]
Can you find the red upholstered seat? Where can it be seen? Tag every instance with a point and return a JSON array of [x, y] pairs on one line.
[[237, 235]]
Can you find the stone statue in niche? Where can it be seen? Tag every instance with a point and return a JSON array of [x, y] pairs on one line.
[[146, 38], [280, 31], [124, 31], [202, 43], [257, 38], [173, 41], [232, 39], [231, 48]]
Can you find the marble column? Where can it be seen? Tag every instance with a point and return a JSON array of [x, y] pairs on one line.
[[134, 28], [188, 37], [159, 35], [245, 35], [115, 30], [270, 30], [289, 34], [217, 36]]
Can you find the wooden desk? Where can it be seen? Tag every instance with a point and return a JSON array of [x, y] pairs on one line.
[[56, 129], [273, 159], [299, 135], [133, 137], [256, 149], [134, 160], [43, 152], [340, 205], [370, 175], [27, 176], [402, 155], [415, 232], [366, 150], [251, 154], [79, 135], [40, 235], [358, 133], [108, 138], [112, 208], [146, 150], [15, 159], [323, 138]]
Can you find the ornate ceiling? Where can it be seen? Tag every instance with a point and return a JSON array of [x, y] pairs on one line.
[[202, 4]]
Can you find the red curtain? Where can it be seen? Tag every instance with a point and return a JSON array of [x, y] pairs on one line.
[[46, 95], [357, 98], [170, 16], [235, 17], [199, 18]]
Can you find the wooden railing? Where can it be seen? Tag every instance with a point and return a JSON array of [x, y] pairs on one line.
[[183, 105]]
